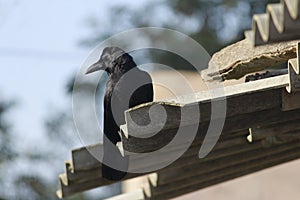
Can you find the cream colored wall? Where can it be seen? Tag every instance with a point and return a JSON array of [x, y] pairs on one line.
[[169, 83], [277, 183], [133, 184]]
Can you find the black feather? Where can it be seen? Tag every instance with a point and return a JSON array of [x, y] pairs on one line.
[[127, 86]]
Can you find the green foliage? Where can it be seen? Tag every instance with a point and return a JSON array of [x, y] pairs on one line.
[[7, 152], [213, 23], [20, 184], [34, 187], [4, 107]]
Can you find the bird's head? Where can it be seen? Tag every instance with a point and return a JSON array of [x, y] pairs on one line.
[[110, 58]]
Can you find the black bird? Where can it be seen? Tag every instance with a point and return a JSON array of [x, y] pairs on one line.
[[127, 86]]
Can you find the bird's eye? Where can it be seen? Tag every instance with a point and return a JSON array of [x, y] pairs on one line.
[[105, 58]]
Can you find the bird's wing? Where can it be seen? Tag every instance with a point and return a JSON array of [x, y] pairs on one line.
[[143, 94]]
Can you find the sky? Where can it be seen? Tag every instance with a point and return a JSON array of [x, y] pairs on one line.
[[39, 52]]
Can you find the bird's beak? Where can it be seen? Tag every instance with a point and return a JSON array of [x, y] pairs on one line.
[[96, 67]]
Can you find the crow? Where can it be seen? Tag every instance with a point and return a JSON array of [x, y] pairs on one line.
[[127, 86]]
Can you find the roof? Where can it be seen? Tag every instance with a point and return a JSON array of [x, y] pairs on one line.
[[274, 35], [281, 22], [261, 129]]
